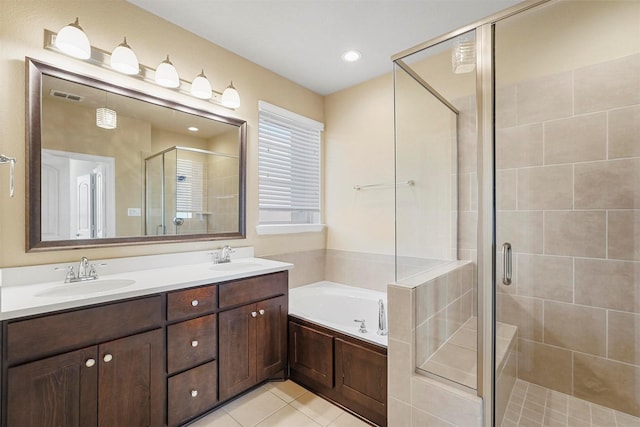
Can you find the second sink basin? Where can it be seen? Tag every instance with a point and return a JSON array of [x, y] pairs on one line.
[[235, 266], [85, 288]]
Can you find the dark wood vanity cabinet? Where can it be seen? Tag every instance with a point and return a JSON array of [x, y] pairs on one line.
[[253, 337], [112, 383], [161, 360]]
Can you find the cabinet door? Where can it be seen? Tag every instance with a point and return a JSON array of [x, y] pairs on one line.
[[57, 391], [237, 350], [361, 380], [271, 337], [310, 355], [131, 381]]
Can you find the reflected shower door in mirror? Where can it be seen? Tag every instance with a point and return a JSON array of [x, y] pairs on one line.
[[109, 166]]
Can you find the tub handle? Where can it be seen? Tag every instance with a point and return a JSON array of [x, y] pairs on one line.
[[506, 263], [363, 327]]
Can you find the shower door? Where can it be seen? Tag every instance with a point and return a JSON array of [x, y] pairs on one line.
[[567, 215]]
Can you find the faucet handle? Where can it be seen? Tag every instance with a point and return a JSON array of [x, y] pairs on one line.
[[92, 271], [70, 273]]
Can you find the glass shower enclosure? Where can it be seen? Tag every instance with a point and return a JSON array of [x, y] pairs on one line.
[[540, 136], [190, 191]]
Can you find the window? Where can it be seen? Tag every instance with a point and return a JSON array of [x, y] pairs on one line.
[[289, 170], [189, 188]]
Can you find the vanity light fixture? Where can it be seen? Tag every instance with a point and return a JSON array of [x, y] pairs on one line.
[[124, 60], [166, 74], [463, 55], [230, 97], [200, 87], [106, 118], [73, 41], [351, 56]]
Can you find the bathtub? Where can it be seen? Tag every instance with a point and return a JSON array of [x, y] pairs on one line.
[[336, 306]]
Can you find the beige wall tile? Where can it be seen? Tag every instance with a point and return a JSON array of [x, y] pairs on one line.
[[398, 413], [543, 276], [518, 147], [463, 182], [608, 284], [607, 85], [431, 297], [544, 365], [575, 327], [446, 403], [456, 316], [607, 383], [522, 229], [523, 312], [454, 285], [548, 187], [623, 235], [624, 337], [613, 184], [624, 132], [401, 315], [576, 233], [545, 98], [308, 268], [421, 419], [576, 139], [506, 112], [400, 369], [468, 230], [506, 189]]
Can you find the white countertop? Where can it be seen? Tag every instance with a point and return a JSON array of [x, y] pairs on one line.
[[21, 287]]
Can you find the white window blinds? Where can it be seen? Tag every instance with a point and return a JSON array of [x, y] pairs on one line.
[[289, 167], [189, 186]]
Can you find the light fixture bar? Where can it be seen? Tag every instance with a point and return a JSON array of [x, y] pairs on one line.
[[102, 58]]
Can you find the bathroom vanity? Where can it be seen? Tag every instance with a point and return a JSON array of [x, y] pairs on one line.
[[164, 356]]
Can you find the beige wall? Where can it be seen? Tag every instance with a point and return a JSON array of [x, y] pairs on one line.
[[21, 34]]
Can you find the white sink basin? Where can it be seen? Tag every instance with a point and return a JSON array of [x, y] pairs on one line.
[[85, 288], [235, 266]]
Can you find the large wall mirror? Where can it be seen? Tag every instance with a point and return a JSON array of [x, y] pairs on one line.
[[113, 166]]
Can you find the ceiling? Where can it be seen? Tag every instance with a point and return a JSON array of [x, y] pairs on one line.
[[303, 40]]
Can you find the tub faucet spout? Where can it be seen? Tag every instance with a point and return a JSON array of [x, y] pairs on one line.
[[382, 318]]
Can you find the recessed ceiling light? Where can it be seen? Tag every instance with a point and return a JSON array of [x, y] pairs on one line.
[[351, 56], [193, 129]]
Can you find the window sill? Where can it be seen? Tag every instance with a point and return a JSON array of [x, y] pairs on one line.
[[289, 228]]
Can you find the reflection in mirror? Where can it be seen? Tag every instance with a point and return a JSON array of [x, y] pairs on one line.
[[113, 166]]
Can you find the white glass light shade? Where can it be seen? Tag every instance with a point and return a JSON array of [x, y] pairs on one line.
[[73, 41], [463, 55], [200, 87], [106, 118], [230, 97], [124, 60], [166, 74]]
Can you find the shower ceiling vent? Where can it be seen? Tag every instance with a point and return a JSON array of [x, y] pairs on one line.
[[66, 95]]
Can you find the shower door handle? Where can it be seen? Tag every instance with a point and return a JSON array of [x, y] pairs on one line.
[[506, 263]]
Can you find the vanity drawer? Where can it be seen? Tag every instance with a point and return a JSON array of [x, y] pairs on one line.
[[192, 393], [191, 302], [44, 336], [191, 342], [253, 289]]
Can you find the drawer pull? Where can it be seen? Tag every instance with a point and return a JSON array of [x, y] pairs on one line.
[[194, 393], [89, 363], [254, 314], [194, 343], [108, 358], [194, 303], [261, 312]]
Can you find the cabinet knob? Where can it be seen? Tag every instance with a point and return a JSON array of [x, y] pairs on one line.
[[194, 393], [254, 314], [90, 362], [194, 343], [194, 303], [108, 358], [261, 311]]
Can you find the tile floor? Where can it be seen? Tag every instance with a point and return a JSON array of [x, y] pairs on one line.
[[280, 404], [532, 405]]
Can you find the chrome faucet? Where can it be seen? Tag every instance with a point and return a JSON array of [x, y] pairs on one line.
[[382, 318], [83, 267], [225, 254], [85, 272]]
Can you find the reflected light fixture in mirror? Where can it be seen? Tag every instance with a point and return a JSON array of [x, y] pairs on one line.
[[73, 41], [200, 87], [124, 60], [106, 118], [166, 74], [463, 55], [230, 97]]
